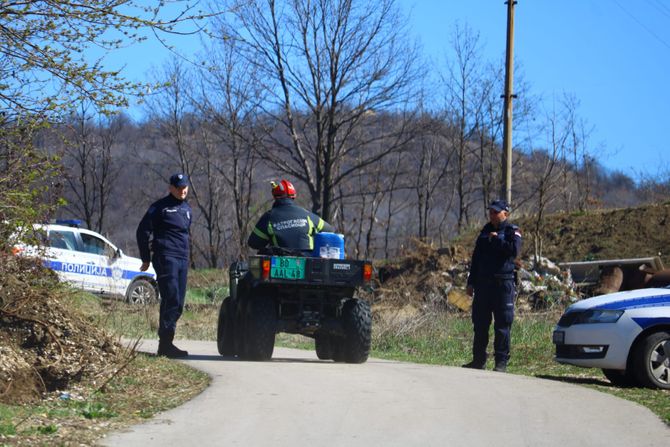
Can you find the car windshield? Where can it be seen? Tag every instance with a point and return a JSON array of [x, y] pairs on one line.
[[95, 245]]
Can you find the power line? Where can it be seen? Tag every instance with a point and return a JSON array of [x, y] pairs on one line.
[[660, 6], [650, 31]]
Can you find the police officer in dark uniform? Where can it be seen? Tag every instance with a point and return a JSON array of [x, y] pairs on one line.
[[287, 225], [168, 220], [492, 285]]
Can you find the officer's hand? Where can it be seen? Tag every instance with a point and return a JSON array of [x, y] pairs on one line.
[[145, 266], [492, 235], [470, 290]]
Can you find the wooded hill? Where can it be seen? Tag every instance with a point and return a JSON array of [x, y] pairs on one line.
[[117, 168]]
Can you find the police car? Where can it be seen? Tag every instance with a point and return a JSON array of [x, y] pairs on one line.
[[626, 334], [88, 261]]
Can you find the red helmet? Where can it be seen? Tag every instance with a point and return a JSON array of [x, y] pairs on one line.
[[283, 189]]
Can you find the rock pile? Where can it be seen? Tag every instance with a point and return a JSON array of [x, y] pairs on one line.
[[543, 285]]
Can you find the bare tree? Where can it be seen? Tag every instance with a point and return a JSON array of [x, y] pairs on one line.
[[463, 108], [369, 191], [330, 68], [90, 138], [394, 206], [432, 164], [545, 168], [579, 155], [185, 143], [230, 101], [43, 64], [489, 132], [654, 188]]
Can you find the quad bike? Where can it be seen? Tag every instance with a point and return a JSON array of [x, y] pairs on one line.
[[314, 297]]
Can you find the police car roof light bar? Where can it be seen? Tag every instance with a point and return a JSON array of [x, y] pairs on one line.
[[69, 222]]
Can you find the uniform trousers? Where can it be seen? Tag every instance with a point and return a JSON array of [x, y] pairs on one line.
[[172, 275], [495, 299]]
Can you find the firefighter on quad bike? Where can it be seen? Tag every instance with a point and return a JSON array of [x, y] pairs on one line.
[[286, 224]]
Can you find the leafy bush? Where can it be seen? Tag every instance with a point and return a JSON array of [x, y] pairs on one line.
[[30, 181]]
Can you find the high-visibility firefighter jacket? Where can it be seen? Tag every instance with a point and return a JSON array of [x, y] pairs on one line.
[[287, 225]]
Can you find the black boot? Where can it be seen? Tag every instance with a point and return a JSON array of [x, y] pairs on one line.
[[478, 360], [475, 365], [167, 349], [500, 367]]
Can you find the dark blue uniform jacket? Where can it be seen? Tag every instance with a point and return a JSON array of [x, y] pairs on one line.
[[493, 258], [168, 220], [287, 225]]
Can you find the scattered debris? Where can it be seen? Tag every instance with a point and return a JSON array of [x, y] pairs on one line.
[[430, 279], [613, 275]]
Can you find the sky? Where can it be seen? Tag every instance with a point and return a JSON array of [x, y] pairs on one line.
[[612, 55]]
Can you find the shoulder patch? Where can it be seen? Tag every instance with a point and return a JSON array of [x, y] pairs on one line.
[[517, 231]]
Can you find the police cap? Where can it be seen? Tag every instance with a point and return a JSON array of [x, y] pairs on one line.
[[499, 205], [179, 180]]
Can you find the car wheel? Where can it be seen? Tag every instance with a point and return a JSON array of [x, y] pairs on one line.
[[141, 291], [621, 378], [652, 361]]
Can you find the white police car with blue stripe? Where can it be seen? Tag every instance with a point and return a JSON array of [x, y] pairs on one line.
[[89, 261], [626, 334]]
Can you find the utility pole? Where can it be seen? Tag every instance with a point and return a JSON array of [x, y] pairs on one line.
[[508, 96]]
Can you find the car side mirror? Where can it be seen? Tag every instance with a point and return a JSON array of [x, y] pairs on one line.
[[118, 253]]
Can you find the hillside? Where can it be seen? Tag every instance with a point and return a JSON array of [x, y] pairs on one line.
[[605, 234], [635, 232], [434, 277]]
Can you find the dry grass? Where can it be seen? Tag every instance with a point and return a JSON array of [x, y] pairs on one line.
[[66, 381], [84, 414]]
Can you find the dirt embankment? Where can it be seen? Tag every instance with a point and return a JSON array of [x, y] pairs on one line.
[[431, 277], [607, 234], [46, 345]]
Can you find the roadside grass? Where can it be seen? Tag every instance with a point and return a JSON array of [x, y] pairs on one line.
[[207, 286], [84, 413], [206, 290], [198, 321]]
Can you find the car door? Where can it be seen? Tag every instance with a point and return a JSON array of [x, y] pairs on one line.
[[92, 253], [110, 273], [61, 256]]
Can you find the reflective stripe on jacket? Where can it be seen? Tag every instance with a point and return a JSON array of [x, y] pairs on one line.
[[287, 225]]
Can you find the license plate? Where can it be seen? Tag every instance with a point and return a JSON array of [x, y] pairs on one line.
[[287, 268], [558, 337]]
